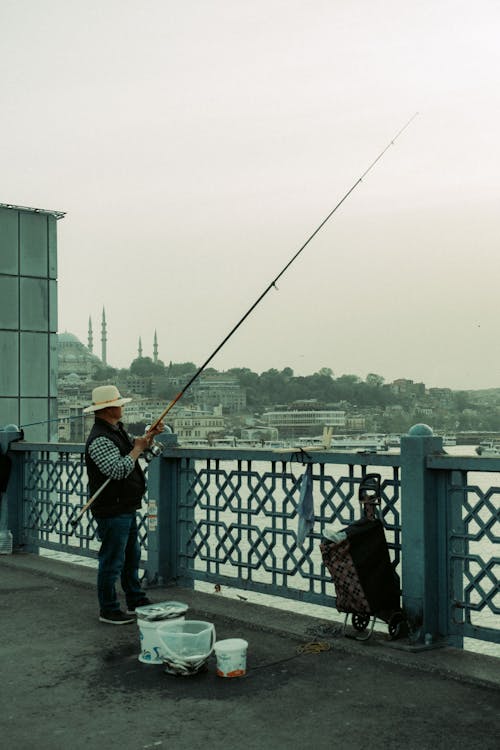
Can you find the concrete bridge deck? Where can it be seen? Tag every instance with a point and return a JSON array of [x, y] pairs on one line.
[[70, 682]]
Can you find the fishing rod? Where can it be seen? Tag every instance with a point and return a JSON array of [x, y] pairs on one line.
[[271, 285]]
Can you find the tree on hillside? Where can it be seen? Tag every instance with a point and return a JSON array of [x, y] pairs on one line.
[[374, 379], [144, 367], [180, 368], [272, 384], [461, 400], [250, 382], [104, 372], [320, 386]]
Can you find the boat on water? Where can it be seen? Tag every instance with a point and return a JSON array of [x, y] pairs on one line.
[[275, 444], [449, 440], [488, 448], [393, 440], [366, 442]]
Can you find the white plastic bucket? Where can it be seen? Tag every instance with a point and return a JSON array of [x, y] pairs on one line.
[[231, 657], [186, 640], [148, 620]]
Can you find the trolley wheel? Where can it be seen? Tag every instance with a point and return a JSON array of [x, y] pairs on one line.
[[398, 627], [360, 622]]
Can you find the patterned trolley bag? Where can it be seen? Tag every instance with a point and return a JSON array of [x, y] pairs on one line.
[[366, 583]]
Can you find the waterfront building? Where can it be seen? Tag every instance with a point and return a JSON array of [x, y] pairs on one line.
[[195, 425], [288, 421], [441, 395], [423, 412], [140, 385], [406, 387], [219, 390], [73, 425], [355, 423], [142, 409]]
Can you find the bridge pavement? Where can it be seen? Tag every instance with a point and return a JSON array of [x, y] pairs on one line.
[[70, 682]]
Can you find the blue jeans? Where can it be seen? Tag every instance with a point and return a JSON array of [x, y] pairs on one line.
[[119, 557]]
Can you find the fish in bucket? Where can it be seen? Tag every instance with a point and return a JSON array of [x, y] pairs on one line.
[[186, 646], [149, 618]]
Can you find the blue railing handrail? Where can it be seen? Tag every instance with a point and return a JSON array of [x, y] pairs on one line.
[[363, 458], [21, 446], [464, 463]]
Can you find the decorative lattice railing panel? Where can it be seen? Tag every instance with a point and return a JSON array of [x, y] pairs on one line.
[[474, 560], [240, 522], [55, 488]]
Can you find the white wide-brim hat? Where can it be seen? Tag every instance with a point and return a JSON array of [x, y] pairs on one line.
[[104, 396]]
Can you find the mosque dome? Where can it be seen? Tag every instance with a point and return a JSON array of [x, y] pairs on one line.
[[74, 358], [67, 338]]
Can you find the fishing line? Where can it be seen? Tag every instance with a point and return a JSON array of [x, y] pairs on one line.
[[47, 421], [305, 649]]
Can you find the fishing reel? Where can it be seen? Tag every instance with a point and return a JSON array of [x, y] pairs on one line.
[[154, 450]]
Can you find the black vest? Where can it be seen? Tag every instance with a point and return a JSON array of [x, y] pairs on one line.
[[120, 495]]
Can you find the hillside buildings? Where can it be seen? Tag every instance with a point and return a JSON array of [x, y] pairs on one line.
[[216, 405]]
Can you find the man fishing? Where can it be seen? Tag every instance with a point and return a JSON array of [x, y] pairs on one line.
[[117, 485]]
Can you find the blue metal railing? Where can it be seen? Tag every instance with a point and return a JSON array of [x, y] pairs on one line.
[[229, 516]]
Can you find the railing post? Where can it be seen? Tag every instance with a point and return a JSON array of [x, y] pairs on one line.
[[457, 554], [423, 535], [163, 483]]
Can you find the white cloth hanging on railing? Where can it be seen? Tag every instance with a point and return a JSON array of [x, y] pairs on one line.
[[305, 508]]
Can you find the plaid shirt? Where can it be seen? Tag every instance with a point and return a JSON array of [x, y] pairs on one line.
[[109, 460]]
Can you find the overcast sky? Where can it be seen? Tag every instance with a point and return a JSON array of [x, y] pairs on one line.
[[195, 146]]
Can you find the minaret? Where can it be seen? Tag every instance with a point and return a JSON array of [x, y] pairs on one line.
[[139, 351], [103, 338], [91, 338], [155, 349]]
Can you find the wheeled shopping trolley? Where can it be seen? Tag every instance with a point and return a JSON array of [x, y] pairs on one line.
[[366, 583]]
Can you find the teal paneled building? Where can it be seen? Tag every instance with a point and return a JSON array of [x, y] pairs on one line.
[[28, 319]]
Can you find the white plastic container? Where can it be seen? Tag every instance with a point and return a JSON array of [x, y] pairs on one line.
[[186, 640], [231, 657], [148, 620], [6, 542]]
